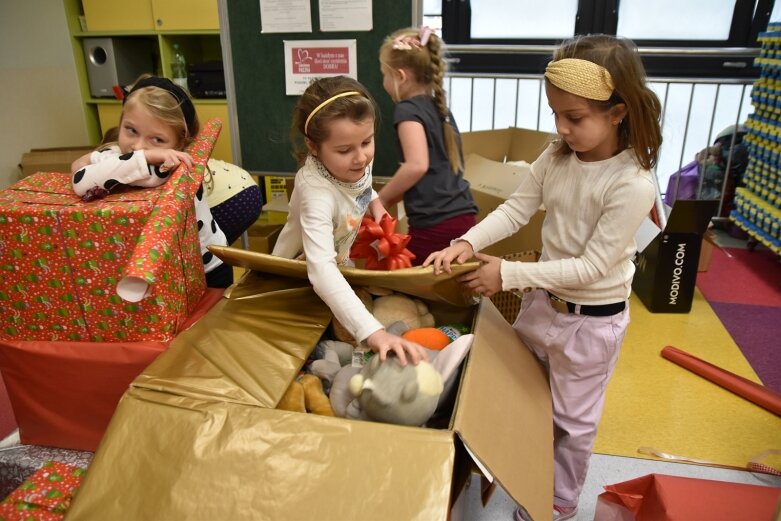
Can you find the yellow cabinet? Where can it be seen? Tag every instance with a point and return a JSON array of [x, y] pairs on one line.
[[151, 15], [118, 15], [185, 15]]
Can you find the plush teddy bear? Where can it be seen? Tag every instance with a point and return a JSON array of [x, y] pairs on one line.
[[305, 394], [398, 307], [389, 392]]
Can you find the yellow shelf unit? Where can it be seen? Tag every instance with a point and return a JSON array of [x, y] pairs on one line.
[[160, 24]]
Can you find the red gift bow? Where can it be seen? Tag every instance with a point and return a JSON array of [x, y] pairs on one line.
[[381, 246]]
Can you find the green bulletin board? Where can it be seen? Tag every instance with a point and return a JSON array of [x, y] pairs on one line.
[[263, 110]]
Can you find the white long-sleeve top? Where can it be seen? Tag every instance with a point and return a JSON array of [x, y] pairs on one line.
[[593, 210], [110, 167], [323, 221]]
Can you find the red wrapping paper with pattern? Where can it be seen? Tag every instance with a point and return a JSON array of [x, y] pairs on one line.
[[44, 496], [61, 258]]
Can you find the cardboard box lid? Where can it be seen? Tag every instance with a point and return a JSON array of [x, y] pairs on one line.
[[503, 413], [492, 177], [507, 144]]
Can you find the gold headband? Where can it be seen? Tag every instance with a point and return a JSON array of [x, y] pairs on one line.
[[326, 102], [580, 77]]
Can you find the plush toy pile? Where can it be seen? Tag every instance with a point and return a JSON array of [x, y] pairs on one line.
[[344, 379]]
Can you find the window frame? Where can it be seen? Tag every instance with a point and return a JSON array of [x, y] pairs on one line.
[[730, 58]]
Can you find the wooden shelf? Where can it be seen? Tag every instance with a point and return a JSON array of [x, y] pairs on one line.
[[193, 25]]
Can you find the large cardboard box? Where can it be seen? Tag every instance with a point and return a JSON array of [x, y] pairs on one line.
[[200, 425], [491, 167], [666, 270], [64, 259], [51, 159]]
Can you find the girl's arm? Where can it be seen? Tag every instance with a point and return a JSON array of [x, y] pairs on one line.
[[376, 209], [331, 286], [81, 162], [414, 147], [109, 168]]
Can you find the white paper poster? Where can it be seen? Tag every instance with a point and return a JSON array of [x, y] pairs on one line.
[[306, 60], [285, 16], [346, 15]]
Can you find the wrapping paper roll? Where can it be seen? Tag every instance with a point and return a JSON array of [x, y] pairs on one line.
[[752, 391]]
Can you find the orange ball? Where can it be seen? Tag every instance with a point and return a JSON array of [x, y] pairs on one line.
[[428, 337]]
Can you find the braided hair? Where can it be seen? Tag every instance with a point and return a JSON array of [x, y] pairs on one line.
[[424, 57]]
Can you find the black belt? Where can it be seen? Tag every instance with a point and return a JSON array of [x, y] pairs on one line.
[[602, 310]]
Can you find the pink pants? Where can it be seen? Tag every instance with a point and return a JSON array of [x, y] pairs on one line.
[[580, 353]]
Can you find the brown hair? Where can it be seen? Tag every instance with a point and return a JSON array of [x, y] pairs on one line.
[[356, 108], [640, 128], [165, 107], [427, 64]]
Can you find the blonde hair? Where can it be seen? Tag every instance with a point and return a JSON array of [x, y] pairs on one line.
[[325, 100], [426, 61], [640, 129], [164, 106]]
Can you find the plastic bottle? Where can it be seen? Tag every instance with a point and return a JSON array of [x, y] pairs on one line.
[[179, 68]]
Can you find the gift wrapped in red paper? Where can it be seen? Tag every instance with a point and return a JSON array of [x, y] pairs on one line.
[[44, 496], [380, 246], [61, 258]]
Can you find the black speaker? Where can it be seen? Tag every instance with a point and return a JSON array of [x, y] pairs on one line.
[[116, 61]]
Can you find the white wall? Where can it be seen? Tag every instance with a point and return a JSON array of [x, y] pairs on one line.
[[40, 104]]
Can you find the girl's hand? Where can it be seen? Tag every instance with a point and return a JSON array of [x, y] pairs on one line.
[[168, 158], [382, 342], [487, 279], [459, 252]]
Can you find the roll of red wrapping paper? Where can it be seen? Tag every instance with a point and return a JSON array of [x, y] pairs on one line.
[[752, 391]]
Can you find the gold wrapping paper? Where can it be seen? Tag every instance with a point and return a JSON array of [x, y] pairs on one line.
[[417, 281]]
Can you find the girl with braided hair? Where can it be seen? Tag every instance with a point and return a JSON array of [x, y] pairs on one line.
[[430, 179], [596, 184]]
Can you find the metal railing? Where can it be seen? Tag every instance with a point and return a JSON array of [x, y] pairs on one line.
[[694, 111]]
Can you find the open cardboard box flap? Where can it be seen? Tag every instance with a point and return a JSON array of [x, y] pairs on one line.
[[507, 144]]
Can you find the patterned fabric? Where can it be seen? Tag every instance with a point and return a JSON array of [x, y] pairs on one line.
[[19, 462], [234, 198], [46, 495]]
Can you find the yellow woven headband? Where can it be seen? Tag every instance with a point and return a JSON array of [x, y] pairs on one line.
[[581, 78], [326, 102]]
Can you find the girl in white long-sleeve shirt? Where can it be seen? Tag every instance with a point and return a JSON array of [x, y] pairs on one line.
[[333, 190], [596, 185]]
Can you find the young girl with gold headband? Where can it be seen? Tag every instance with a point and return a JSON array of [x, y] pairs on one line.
[[333, 190], [596, 184]]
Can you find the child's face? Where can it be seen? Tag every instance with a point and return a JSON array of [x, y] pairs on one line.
[[348, 150], [590, 133], [140, 130]]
